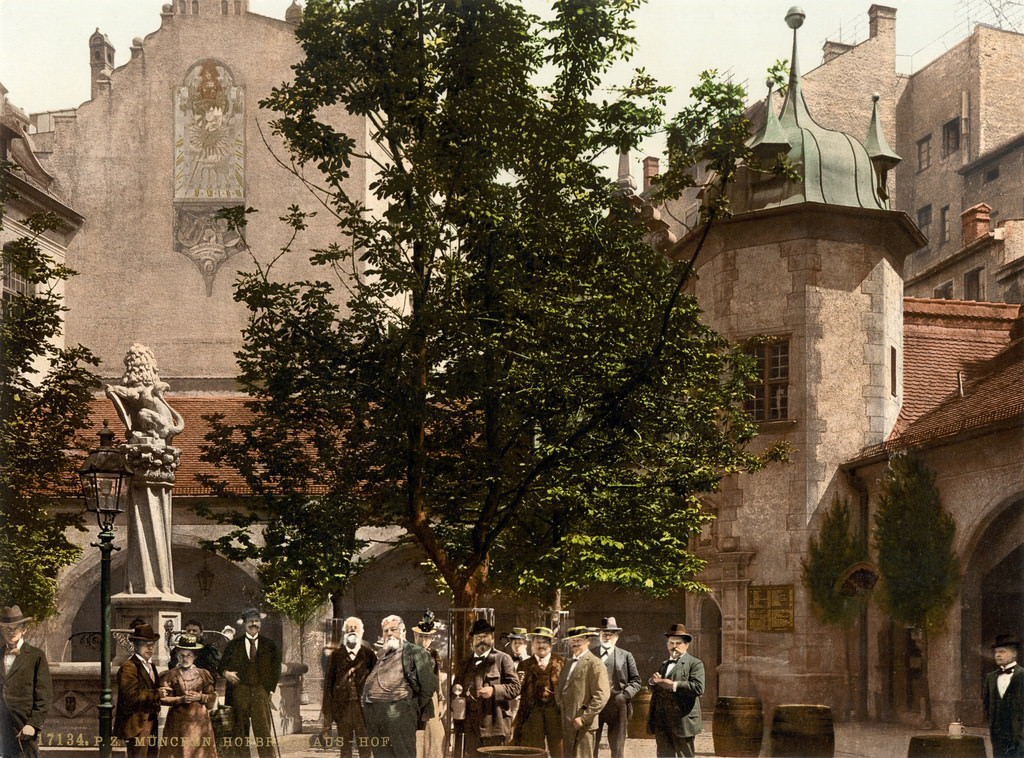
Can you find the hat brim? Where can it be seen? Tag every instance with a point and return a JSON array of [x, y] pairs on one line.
[[15, 622], [684, 637]]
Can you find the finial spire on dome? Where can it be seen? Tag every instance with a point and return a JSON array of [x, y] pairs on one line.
[[770, 139], [794, 20], [882, 157]]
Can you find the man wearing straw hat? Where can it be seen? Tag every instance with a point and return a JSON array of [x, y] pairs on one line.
[[539, 719], [25, 687], [676, 687], [582, 692], [138, 695], [624, 680], [1004, 699], [252, 667]]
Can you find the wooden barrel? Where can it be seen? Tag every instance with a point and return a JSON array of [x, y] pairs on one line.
[[737, 726], [802, 731], [636, 729], [942, 746]]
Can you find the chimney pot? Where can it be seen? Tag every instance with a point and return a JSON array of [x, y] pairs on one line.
[[976, 222]]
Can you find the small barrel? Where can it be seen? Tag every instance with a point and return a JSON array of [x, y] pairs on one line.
[[636, 729], [510, 751], [943, 746], [802, 731], [737, 726]]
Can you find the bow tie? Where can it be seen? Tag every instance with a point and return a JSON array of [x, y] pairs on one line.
[[11, 651], [1006, 671]]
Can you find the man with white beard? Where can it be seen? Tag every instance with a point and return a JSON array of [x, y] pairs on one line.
[[344, 679], [398, 693]]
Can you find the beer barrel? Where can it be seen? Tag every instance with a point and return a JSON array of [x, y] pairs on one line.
[[943, 746], [737, 726], [802, 731], [636, 729]]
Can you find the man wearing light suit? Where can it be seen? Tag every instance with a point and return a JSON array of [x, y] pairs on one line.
[[25, 688], [624, 680], [1004, 699], [675, 719], [582, 692]]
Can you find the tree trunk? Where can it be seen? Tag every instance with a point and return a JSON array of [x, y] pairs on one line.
[[924, 678]]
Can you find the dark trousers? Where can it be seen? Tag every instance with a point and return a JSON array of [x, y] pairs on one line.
[[671, 746], [615, 715], [391, 728], [544, 723], [351, 729], [251, 704]]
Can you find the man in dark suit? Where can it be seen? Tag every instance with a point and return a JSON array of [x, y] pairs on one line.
[[25, 688], [624, 679], [347, 669], [1004, 699], [490, 683], [674, 718], [252, 667], [138, 695]]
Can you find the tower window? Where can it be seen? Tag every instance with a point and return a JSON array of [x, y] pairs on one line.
[[15, 286], [893, 376], [769, 395], [924, 153], [944, 224], [950, 137], [992, 174]]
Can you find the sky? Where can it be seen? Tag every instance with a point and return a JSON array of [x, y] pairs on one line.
[[44, 60]]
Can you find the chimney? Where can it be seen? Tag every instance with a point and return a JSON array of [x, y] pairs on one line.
[[976, 222], [882, 20], [831, 50], [650, 171]]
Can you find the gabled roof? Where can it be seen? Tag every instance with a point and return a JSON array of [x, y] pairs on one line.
[[963, 368]]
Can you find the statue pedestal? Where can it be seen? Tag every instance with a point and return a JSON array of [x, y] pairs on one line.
[[161, 611]]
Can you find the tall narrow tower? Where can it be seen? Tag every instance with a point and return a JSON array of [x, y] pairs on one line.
[[809, 270], [101, 61]]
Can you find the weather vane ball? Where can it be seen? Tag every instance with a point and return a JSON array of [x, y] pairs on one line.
[[795, 17]]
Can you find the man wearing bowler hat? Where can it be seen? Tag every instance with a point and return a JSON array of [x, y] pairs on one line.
[[676, 687], [582, 693], [490, 684], [25, 688], [624, 680], [138, 695], [1004, 699]]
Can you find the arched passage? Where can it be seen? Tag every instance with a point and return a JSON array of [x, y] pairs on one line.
[[993, 597], [711, 649]]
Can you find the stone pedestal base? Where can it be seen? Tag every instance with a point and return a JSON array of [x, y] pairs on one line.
[[162, 612]]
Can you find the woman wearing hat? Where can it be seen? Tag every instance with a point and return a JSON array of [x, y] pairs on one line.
[[189, 691]]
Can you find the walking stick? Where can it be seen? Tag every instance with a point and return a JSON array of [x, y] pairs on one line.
[[273, 727]]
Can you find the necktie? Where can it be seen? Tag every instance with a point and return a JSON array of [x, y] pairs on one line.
[[252, 649], [604, 653]]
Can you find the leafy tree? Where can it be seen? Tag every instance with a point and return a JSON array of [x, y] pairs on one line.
[[918, 566], [830, 555], [516, 379], [44, 394]]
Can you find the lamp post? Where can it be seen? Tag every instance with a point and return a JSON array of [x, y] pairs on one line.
[[105, 485]]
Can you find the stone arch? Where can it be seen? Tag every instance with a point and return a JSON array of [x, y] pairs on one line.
[[231, 588], [992, 593]]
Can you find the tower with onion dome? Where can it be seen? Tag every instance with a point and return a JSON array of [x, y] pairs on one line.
[[808, 273]]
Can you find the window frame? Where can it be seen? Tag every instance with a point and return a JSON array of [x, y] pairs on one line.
[[924, 153], [768, 401]]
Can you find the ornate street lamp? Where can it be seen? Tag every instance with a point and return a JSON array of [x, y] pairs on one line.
[[106, 482]]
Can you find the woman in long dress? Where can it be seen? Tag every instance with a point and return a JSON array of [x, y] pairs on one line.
[[189, 692]]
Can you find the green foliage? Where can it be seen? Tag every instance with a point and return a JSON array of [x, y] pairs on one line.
[[829, 556], [919, 569], [44, 395], [515, 378]]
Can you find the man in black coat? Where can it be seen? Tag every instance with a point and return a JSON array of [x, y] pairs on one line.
[[252, 667], [346, 673], [25, 688], [1004, 699], [490, 683]]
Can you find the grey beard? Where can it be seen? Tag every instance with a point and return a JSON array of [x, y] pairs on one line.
[[391, 643]]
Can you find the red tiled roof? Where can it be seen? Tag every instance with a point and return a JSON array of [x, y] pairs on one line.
[[949, 343], [192, 410]]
